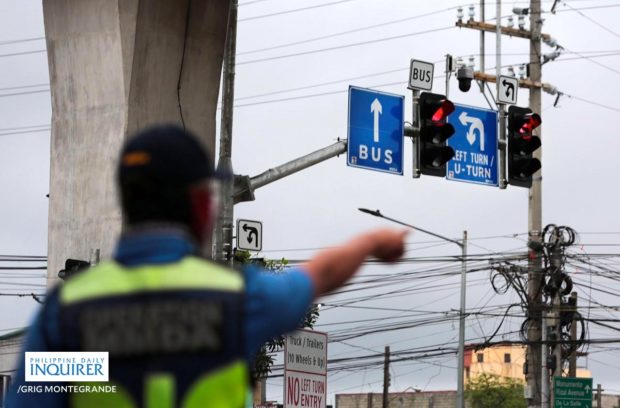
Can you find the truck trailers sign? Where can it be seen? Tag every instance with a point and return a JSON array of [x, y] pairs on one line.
[[305, 369]]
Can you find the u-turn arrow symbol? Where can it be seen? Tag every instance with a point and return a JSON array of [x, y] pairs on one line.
[[474, 124]]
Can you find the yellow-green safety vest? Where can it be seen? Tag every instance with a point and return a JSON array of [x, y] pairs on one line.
[[127, 309]]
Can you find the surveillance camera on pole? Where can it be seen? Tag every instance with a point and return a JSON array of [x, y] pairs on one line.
[[465, 75], [521, 11]]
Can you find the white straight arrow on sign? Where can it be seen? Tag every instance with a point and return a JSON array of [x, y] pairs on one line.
[[474, 124], [377, 109]]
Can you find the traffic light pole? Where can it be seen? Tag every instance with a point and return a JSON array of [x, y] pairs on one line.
[[500, 106], [502, 146], [534, 335], [415, 122], [223, 232], [242, 188], [245, 185]]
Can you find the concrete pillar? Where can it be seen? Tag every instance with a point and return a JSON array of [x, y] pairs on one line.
[[115, 67]]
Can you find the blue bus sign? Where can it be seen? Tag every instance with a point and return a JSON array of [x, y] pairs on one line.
[[375, 130]]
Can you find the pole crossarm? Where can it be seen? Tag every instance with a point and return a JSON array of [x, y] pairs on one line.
[[377, 213], [245, 185], [513, 32], [523, 83]]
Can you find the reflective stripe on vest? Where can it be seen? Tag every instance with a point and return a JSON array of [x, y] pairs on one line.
[[110, 278], [221, 389], [225, 386]]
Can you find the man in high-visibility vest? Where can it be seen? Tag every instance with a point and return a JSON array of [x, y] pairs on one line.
[[179, 330]]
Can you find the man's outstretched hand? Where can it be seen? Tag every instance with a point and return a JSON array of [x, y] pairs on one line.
[[331, 268], [390, 243]]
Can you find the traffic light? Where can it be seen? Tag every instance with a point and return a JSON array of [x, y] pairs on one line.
[[521, 145], [72, 267], [434, 132]]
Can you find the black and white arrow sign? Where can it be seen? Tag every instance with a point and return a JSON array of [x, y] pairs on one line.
[[507, 89], [249, 235]]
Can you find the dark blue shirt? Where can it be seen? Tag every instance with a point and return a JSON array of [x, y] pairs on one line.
[[275, 304]]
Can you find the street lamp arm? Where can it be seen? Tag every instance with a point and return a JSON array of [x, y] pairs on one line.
[[377, 213]]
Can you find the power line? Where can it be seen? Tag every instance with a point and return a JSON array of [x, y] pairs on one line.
[[10, 88], [22, 128], [600, 105], [327, 93], [607, 54], [323, 37], [588, 8], [591, 19], [26, 131], [13, 54], [279, 13], [594, 62], [24, 93], [21, 40], [333, 82], [299, 88], [338, 47], [247, 3], [296, 97]]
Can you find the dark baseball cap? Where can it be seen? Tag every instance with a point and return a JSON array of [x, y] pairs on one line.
[[167, 153]]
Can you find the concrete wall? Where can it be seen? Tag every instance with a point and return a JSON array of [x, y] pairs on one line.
[[10, 352], [115, 67], [608, 401], [430, 399]]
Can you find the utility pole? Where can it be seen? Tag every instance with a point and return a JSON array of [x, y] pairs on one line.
[[534, 352], [544, 386], [223, 232], [386, 377], [482, 44], [572, 362], [599, 396], [534, 365], [555, 323]]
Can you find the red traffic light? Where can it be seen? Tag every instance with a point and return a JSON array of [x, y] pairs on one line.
[[432, 150], [521, 146], [530, 122], [445, 108]]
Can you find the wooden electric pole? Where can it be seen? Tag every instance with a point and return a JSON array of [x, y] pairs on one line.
[[386, 377]]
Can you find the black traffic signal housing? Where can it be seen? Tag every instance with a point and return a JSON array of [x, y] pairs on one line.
[[521, 144], [72, 267], [434, 133]]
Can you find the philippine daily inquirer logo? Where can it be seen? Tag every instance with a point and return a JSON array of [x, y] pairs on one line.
[[66, 366]]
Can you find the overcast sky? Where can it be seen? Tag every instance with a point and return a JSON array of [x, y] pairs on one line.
[[318, 207]]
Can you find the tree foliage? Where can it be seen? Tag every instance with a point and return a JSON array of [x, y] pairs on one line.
[[492, 391], [264, 358]]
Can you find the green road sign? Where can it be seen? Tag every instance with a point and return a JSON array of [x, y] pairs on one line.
[[572, 392]]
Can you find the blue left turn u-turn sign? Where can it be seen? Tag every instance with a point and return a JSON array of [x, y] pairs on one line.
[[375, 130], [475, 145]]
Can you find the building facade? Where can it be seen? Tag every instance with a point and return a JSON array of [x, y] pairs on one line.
[[502, 360]]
